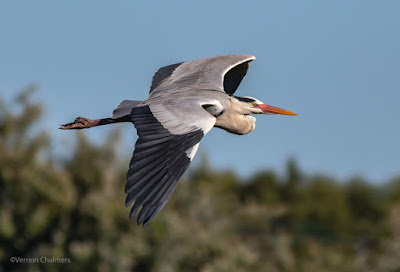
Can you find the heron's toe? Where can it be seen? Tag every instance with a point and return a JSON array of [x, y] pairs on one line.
[[79, 123]]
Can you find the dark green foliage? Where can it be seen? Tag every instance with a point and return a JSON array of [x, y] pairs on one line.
[[74, 208]]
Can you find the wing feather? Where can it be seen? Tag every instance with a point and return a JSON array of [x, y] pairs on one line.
[[222, 73], [160, 158]]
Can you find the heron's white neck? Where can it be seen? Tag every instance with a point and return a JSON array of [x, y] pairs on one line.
[[236, 118], [240, 107]]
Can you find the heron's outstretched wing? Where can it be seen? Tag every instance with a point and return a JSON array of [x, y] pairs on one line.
[[223, 73], [168, 141]]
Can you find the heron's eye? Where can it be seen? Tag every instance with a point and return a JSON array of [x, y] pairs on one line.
[[253, 104]]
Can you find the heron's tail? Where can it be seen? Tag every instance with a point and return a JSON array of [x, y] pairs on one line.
[[124, 108]]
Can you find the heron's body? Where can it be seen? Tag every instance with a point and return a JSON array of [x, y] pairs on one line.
[[225, 109], [186, 101]]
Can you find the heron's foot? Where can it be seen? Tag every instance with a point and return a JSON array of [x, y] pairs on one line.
[[80, 123]]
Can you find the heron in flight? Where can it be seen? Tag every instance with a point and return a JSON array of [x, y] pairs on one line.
[[186, 101]]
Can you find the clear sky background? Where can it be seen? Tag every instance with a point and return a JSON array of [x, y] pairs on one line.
[[335, 63]]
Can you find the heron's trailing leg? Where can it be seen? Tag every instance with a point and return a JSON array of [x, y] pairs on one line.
[[81, 122]]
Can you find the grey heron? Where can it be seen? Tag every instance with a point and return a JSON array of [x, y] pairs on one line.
[[186, 100]]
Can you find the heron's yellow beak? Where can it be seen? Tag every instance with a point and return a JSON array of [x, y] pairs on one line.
[[274, 110]]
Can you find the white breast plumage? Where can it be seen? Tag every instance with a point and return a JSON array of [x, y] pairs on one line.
[[252, 121]]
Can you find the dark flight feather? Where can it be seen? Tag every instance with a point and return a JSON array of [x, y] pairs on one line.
[[159, 160]]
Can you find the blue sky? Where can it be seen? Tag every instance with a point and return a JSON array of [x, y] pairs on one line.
[[335, 63]]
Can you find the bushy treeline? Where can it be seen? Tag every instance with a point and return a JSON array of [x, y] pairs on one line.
[[73, 208]]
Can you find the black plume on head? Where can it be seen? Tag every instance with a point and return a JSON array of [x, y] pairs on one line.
[[244, 99]]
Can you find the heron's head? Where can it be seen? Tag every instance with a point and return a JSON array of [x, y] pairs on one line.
[[251, 105]]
